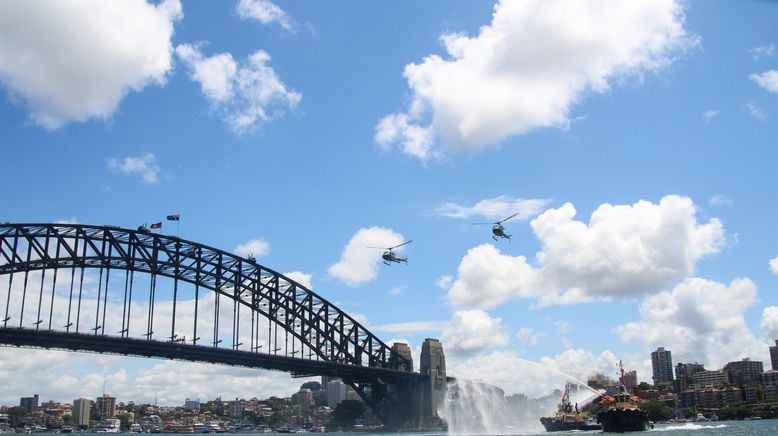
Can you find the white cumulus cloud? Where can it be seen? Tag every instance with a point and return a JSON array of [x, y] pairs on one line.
[[471, 331], [527, 68], [699, 320], [359, 262], [774, 265], [767, 80], [770, 322], [144, 165], [255, 247], [623, 251], [76, 60], [246, 94], [301, 278], [264, 11]]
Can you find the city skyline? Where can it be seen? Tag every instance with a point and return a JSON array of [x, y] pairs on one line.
[[636, 148]]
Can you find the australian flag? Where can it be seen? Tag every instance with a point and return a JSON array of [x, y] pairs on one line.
[[175, 217], [156, 226]]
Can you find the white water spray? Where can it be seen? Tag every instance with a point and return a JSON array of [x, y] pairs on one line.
[[479, 408]]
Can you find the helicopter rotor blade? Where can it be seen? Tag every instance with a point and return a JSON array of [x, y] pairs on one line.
[[396, 246], [506, 219]]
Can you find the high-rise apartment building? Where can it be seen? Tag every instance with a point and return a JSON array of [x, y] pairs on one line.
[[774, 356], [630, 380], [29, 404], [744, 372], [106, 406], [81, 411], [683, 374], [336, 393], [662, 365]]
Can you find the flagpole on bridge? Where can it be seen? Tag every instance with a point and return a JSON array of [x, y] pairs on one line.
[[177, 218]]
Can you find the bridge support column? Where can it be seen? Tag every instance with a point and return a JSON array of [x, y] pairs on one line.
[[432, 385]]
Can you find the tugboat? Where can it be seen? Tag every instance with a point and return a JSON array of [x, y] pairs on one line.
[[623, 412], [565, 419]]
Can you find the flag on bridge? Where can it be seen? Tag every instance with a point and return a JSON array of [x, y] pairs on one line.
[[156, 225], [175, 217]]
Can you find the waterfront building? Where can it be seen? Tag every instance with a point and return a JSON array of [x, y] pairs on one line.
[[774, 355], [235, 408], [29, 404], [662, 366], [336, 393], [731, 396], [303, 398], [744, 372], [707, 379], [106, 406], [81, 411], [683, 373], [631, 380]]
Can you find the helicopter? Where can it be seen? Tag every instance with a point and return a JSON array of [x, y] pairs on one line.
[[389, 255], [498, 231]]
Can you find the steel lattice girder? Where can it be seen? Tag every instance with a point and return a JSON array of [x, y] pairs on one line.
[[331, 333]]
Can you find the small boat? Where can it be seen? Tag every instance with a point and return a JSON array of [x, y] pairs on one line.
[[66, 429], [623, 412], [107, 426], [565, 419]]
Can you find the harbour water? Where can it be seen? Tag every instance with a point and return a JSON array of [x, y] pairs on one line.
[[765, 427]]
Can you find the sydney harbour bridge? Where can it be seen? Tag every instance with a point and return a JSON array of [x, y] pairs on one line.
[[109, 289]]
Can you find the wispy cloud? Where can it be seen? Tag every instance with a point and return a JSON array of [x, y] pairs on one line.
[[144, 165], [412, 327], [756, 111], [495, 208], [710, 114], [720, 200], [762, 51], [767, 80], [264, 11]]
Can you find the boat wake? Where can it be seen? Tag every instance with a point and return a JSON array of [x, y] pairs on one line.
[[689, 426]]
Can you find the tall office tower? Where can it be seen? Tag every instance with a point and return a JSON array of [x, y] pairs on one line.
[[774, 355], [403, 350], [432, 367], [80, 412], [662, 364]]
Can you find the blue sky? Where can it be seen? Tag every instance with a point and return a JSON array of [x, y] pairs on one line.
[[636, 140]]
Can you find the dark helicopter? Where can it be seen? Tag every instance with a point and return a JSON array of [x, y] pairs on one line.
[[389, 255], [498, 231]]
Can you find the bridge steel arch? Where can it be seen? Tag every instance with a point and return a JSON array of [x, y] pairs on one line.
[[337, 344]]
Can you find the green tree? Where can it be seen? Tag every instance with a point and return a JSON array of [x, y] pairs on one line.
[[657, 410], [347, 412], [16, 416]]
